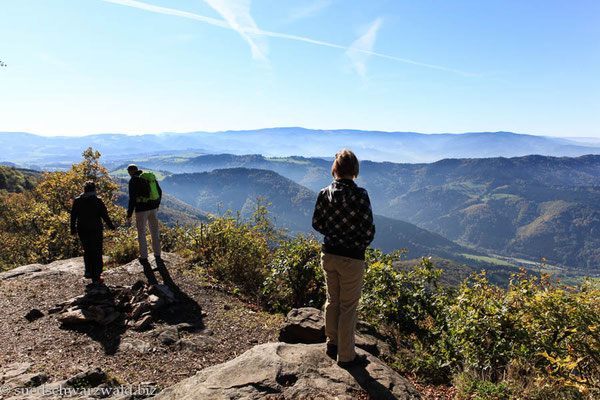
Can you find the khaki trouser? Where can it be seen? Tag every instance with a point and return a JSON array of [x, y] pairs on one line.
[[151, 216], [344, 279]]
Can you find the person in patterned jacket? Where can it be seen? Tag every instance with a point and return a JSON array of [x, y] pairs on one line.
[[343, 215]]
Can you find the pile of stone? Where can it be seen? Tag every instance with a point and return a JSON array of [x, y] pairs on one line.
[[129, 307]]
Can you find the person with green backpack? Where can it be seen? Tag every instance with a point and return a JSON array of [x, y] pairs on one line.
[[145, 195]]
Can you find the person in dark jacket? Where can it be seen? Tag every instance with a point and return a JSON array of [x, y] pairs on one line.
[[86, 221], [343, 215], [146, 212]]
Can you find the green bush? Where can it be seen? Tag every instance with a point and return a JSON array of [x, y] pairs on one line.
[[295, 277], [122, 246], [234, 250], [537, 337], [409, 306]]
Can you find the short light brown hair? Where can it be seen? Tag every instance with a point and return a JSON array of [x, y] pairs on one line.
[[345, 164]]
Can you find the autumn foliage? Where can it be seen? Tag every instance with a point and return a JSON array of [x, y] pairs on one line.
[[34, 226]]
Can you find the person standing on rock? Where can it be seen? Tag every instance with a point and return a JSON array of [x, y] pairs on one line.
[[343, 215], [86, 221], [145, 195]]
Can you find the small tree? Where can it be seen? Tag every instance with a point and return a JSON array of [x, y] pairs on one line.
[[37, 222]]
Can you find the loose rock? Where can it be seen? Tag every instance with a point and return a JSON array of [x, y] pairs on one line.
[[135, 345], [143, 323], [33, 314], [169, 335]]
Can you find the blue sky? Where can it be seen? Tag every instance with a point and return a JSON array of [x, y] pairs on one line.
[[79, 67]]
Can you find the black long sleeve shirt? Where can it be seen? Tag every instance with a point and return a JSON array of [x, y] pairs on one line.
[[87, 214], [343, 215]]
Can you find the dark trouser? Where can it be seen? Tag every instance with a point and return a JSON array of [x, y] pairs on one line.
[[91, 240]]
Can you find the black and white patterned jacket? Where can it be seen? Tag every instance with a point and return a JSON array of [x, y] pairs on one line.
[[343, 214]]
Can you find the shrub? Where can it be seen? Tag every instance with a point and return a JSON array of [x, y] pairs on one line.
[[537, 328], [122, 246], [233, 249], [295, 277], [409, 306]]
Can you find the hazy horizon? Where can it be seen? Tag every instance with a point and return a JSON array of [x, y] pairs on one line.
[[572, 138]]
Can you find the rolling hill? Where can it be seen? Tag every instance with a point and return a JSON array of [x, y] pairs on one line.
[[172, 211], [17, 180], [292, 207]]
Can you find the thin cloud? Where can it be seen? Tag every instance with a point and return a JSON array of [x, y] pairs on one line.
[[309, 10], [224, 24], [356, 52], [237, 15]]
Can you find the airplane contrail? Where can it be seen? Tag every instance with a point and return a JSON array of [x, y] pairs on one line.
[[257, 31]]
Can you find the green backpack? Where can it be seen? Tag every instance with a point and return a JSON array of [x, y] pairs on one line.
[[148, 188]]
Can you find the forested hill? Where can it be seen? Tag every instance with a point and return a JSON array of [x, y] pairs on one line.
[[314, 172], [292, 207], [17, 180], [529, 207]]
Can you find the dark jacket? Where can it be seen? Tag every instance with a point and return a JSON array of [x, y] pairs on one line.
[[343, 214], [87, 214], [135, 188]]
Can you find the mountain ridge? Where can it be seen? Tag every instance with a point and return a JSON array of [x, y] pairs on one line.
[[396, 146]]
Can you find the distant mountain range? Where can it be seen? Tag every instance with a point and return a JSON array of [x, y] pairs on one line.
[[529, 207], [57, 152]]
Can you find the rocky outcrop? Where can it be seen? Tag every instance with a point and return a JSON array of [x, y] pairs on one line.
[[36, 271], [307, 325], [292, 371], [75, 266]]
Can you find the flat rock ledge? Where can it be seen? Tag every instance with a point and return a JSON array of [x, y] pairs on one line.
[[75, 266], [292, 371], [72, 266]]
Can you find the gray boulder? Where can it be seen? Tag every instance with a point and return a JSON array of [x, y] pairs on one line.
[[307, 325], [303, 325], [291, 371]]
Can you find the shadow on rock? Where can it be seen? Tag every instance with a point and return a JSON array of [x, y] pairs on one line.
[[369, 384], [184, 311]]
